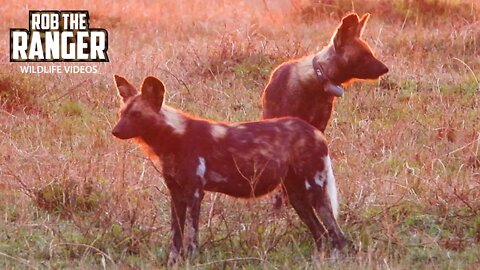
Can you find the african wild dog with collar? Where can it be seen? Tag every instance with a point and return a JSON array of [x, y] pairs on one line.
[[307, 87], [245, 160]]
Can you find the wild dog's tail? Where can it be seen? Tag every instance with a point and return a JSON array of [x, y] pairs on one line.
[[331, 185]]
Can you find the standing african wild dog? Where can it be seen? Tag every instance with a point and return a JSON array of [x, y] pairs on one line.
[[307, 87], [245, 160]]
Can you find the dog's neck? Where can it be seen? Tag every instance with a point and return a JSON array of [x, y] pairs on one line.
[[166, 132], [318, 69], [325, 59]]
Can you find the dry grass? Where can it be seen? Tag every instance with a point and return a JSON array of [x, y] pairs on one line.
[[405, 148]]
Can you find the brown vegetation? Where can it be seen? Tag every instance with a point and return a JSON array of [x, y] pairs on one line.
[[405, 149]]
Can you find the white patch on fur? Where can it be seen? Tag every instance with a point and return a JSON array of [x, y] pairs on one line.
[[319, 135], [323, 55], [304, 70], [307, 185], [319, 178], [216, 177], [239, 126], [218, 132], [174, 119], [290, 124], [331, 185], [202, 168], [197, 193]]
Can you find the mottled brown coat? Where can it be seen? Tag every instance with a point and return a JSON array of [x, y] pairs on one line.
[[245, 160]]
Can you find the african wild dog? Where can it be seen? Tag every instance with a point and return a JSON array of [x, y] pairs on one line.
[[245, 160], [307, 87]]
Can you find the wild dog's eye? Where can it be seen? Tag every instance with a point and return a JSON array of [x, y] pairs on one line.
[[135, 114]]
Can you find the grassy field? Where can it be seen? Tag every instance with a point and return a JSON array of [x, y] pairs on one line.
[[406, 148]]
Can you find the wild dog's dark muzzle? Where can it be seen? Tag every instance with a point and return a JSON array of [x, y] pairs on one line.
[[383, 69], [123, 130], [117, 132], [328, 86]]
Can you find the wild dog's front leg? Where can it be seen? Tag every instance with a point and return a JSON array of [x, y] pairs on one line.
[[192, 221], [195, 182], [178, 210]]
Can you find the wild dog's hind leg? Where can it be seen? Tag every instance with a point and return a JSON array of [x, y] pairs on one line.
[[326, 204], [324, 210], [304, 208]]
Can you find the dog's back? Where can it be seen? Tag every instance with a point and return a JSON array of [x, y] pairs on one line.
[[293, 90]]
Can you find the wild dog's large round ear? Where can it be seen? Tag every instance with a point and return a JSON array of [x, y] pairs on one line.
[[346, 30], [361, 24], [125, 89], [153, 91]]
